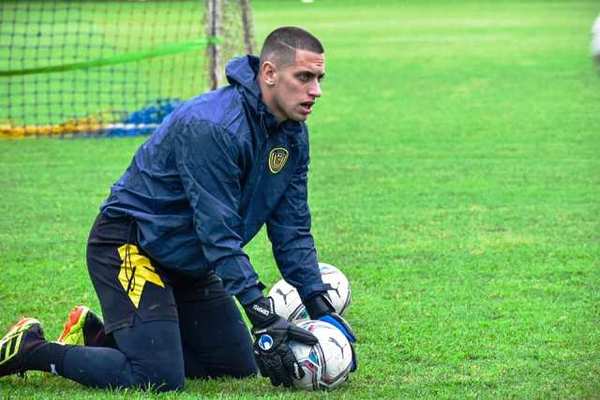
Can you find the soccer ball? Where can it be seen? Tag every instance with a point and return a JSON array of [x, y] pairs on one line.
[[287, 300], [595, 46], [287, 303], [326, 364]]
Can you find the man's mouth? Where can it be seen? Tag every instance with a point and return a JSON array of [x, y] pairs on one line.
[[307, 106]]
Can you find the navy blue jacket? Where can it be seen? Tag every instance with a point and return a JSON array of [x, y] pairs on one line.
[[215, 171]]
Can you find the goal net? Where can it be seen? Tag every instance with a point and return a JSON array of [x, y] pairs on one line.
[[110, 67]]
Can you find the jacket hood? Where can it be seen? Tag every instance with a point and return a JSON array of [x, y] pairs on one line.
[[242, 71]]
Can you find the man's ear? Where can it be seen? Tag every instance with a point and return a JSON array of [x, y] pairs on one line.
[[268, 73]]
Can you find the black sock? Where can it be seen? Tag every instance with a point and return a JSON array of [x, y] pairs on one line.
[[48, 357]]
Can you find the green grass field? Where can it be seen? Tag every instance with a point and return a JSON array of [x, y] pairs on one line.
[[455, 179]]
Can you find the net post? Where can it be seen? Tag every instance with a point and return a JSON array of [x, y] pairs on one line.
[[213, 14], [248, 27]]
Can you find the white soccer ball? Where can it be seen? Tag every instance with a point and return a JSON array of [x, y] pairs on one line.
[[287, 300], [287, 303], [595, 46], [326, 364]]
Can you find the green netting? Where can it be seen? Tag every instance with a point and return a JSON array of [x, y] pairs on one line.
[[98, 66]]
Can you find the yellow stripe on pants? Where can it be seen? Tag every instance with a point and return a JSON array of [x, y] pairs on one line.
[[136, 270]]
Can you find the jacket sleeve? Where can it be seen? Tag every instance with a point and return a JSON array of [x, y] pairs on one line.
[[206, 161], [288, 229]]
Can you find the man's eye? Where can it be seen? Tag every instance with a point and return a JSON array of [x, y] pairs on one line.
[[304, 77]]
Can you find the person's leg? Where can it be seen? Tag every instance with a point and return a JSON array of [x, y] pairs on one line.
[[215, 340], [140, 313], [148, 355]]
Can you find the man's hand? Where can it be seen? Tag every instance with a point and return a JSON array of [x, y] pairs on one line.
[[319, 307], [271, 350], [340, 323]]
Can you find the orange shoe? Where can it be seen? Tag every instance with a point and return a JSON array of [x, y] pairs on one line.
[[83, 328]]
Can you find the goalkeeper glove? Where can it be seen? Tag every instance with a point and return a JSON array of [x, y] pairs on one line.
[[271, 350], [320, 307]]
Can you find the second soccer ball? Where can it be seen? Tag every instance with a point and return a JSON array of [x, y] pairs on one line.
[[288, 304]]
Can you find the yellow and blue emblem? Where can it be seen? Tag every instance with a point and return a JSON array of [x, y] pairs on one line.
[[277, 159]]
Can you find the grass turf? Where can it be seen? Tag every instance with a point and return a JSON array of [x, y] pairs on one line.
[[455, 179]]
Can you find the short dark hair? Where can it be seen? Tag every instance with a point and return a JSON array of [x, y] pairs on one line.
[[281, 45]]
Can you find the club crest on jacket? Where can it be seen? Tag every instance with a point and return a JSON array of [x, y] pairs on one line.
[[277, 159]]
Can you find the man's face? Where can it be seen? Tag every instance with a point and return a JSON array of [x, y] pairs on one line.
[[296, 87]]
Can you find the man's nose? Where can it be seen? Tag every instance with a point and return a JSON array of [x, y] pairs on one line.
[[315, 89]]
